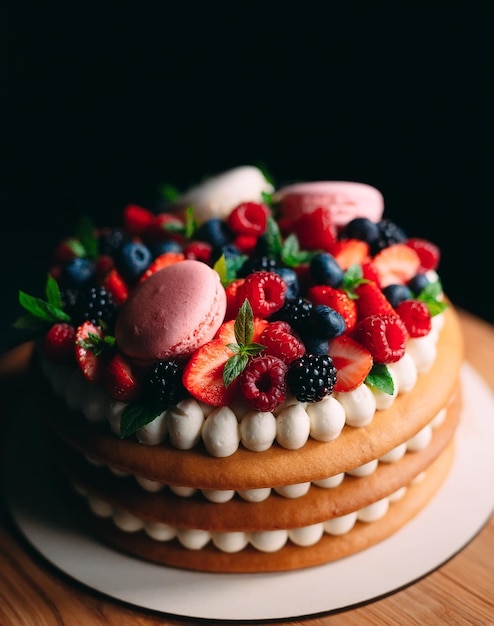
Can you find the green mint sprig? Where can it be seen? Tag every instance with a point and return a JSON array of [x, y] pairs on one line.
[[42, 312], [135, 416], [227, 267], [380, 378], [288, 251], [244, 348], [96, 344], [430, 296], [188, 228]]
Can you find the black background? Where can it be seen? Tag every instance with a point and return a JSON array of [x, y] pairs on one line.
[[103, 103]]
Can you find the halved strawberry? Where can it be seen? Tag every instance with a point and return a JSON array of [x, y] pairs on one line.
[[116, 285], [371, 301], [315, 231], [396, 264], [160, 262], [120, 380], [429, 253], [203, 374], [348, 252], [233, 301], [337, 299], [352, 360], [136, 219], [89, 343]]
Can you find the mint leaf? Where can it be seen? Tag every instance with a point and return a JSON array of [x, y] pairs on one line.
[[97, 344], [290, 253], [267, 198], [430, 294], [52, 292], [29, 322], [273, 238], [380, 378], [244, 324], [135, 416], [169, 192], [42, 310], [228, 267], [233, 367]]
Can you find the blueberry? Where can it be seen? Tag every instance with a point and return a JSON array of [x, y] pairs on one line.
[[361, 228], [162, 247], [325, 270], [78, 272], [315, 344], [215, 231], [396, 293], [418, 283], [291, 280], [133, 259], [327, 322]]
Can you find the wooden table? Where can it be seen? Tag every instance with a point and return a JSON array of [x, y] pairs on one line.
[[461, 592]]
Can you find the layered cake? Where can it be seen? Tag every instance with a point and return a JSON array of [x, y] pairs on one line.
[[248, 378]]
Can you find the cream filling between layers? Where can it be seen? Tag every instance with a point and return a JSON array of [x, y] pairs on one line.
[[223, 429]]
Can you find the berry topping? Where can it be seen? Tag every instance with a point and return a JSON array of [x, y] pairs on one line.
[[78, 272], [384, 336], [262, 383], [327, 322], [371, 301], [337, 299], [163, 385], [348, 252], [389, 234], [362, 228], [132, 260], [265, 291], [96, 304], [429, 254], [312, 377], [396, 264], [136, 219], [58, 343], [314, 230], [395, 294], [296, 312], [352, 360], [116, 285], [416, 317], [161, 261], [120, 380], [90, 346], [249, 218], [325, 270], [279, 341]]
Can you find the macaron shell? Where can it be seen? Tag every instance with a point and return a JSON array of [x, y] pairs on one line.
[[171, 313], [342, 200]]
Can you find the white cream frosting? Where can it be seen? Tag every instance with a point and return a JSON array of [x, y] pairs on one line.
[[224, 429]]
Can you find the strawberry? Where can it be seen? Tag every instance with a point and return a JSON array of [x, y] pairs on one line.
[[102, 267], [116, 285], [89, 346], [164, 226], [279, 341], [337, 299], [371, 301], [58, 343], [384, 336], [199, 251], [352, 360], [136, 219], [348, 252], [429, 254], [314, 231], [369, 272], [160, 262], [245, 243], [397, 263], [416, 317], [233, 301], [203, 374], [119, 379]]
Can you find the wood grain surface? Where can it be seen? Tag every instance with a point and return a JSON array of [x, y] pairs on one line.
[[33, 593]]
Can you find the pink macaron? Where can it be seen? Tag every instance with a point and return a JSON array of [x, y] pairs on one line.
[[342, 201], [171, 313]]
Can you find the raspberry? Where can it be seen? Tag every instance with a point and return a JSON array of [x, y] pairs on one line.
[[248, 218], [312, 377], [416, 317], [265, 292], [262, 383], [384, 336], [279, 341], [58, 344]]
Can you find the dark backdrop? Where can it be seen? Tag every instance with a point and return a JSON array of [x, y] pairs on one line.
[[102, 105]]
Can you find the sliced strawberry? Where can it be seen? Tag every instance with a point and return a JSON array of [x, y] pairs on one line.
[[352, 360], [116, 285], [58, 343], [88, 342], [369, 272], [314, 231], [203, 374], [348, 252], [136, 219], [226, 333], [160, 262], [371, 301], [120, 380], [337, 299], [396, 264], [429, 253], [233, 302]]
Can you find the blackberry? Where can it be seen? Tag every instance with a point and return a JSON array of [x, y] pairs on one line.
[[296, 312], [389, 234], [163, 385], [312, 377], [94, 303], [256, 264]]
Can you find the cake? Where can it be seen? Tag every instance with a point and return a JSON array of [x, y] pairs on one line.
[[247, 378]]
